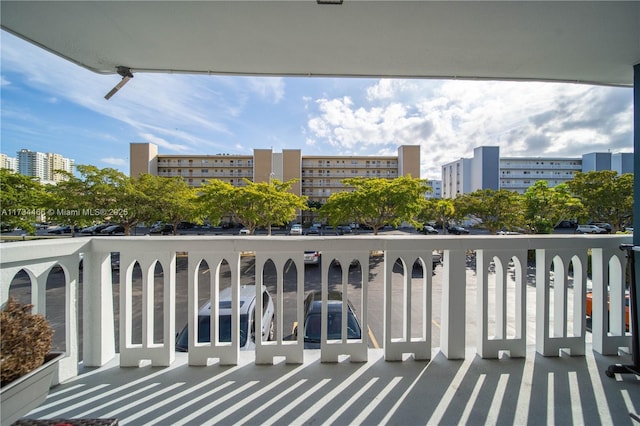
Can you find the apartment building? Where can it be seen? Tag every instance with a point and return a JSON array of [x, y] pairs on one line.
[[44, 166], [9, 163], [519, 173], [487, 170], [318, 176]]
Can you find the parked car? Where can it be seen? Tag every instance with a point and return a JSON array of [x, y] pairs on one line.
[[311, 257], [457, 230], [314, 230], [247, 320], [603, 225], [436, 258], [58, 230], [330, 230], [589, 306], [95, 229], [113, 229], [244, 231], [346, 229], [162, 229], [313, 319], [590, 229], [296, 229], [428, 229]]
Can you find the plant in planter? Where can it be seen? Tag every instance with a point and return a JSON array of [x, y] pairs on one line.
[[25, 345]]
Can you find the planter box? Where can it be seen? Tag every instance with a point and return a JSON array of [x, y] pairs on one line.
[[27, 392]]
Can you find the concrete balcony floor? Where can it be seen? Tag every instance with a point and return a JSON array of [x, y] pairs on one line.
[[533, 390]]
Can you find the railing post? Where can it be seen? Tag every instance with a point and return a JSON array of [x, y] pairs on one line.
[[489, 346], [550, 342], [608, 292], [292, 351], [98, 342], [420, 347], [454, 299], [159, 354]]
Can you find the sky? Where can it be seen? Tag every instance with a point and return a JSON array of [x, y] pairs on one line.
[[48, 104]]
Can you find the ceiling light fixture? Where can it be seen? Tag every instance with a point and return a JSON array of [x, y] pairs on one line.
[[126, 76], [329, 1]]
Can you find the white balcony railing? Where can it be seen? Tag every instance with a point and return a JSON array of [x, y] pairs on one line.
[[564, 267]]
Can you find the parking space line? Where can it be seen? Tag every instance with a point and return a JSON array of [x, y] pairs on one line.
[[373, 340]]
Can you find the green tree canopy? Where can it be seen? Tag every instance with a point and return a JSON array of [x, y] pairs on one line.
[[253, 205], [23, 201], [497, 209], [377, 202], [215, 200], [440, 210], [605, 196], [96, 196], [545, 207], [171, 200]]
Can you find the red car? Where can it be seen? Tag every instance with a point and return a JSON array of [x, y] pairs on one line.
[[589, 306]]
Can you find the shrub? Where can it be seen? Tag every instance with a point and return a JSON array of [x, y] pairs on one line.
[[25, 339]]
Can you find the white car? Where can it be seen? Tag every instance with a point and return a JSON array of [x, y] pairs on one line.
[[590, 229], [247, 319], [311, 257], [296, 230]]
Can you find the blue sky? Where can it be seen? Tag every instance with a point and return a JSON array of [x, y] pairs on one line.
[[51, 105]]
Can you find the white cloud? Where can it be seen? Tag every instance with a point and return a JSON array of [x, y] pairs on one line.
[[450, 118], [148, 137], [268, 88], [115, 161]]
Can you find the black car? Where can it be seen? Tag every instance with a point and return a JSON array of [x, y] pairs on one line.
[[162, 229], [457, 230], [313, 319], [95, 229], [58, 230], [330, 230], [112, 230], [428, 229], [314, 230]]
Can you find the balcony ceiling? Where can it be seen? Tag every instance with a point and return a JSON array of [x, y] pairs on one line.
[[592, 42]]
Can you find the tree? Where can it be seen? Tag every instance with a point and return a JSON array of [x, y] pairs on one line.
[[376, 202], [498, 209], [605, 196], [98, 195], [172, 200], [545, 207], [274, 203], [253, 205], [444, 210], [215, 200], [23, 201]]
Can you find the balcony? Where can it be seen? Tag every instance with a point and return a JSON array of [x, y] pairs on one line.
[[496, 334]]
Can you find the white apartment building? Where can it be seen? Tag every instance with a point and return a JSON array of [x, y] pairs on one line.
[[33, 164], [487, 170], [519, 173], [10, 163], [39, 165], [436, 188]]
